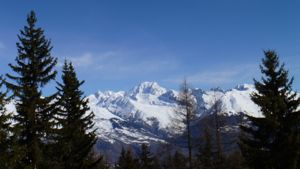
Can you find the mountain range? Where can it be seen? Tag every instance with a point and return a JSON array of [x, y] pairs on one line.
[[145, 113]]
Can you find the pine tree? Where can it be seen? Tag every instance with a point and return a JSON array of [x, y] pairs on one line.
[[126, 160], [76, 137], [185, 115], [34, 69], [272, 141]]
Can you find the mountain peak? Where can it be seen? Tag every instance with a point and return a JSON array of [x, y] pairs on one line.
[[242, 87], [217, 89], [152, 88]]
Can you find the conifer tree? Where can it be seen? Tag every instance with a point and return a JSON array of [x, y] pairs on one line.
[[235, 160], [146, 159], [205, 154], [173, 160], [179, 161], [272, 141], [126, 160], [76, 137], [165, 154], [33, 70], [10, 152], [5, 131]]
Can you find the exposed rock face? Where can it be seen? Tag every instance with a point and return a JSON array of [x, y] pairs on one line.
[[144, 113]]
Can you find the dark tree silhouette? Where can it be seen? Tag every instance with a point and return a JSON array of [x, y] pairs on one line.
[[76, 136], [272, 141], [34, 69]]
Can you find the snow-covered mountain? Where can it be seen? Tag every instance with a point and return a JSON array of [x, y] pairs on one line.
[[145, 113]]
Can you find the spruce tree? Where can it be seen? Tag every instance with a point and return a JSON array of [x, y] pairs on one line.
[[10, 151], [146, 159], [5, 131], [126, 160], [33, 70], [205, 154], [179, 161], [235, 160], [76, 137], [272, 141], [174, 161]]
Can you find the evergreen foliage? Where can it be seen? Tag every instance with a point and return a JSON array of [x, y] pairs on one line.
[[205, 154], [171, 158], [6, 153], [235, 160], [126, 160], [76, 136], [34, 69], [57, 131], [179, 161], [146, 159], [272, 141]]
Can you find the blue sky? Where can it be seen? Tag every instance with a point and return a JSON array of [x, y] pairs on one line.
[[116, 44]]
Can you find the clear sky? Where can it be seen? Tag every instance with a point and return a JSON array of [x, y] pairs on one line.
[[116, 44]]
